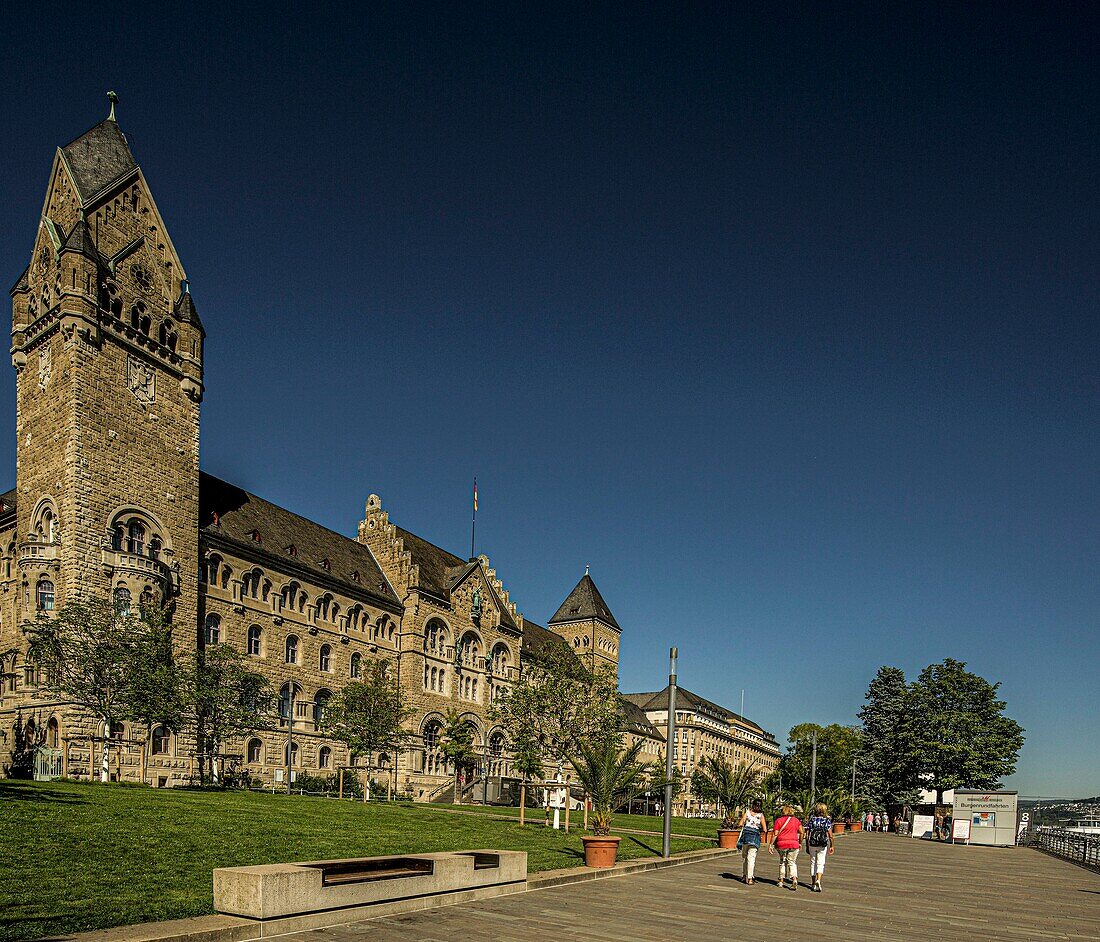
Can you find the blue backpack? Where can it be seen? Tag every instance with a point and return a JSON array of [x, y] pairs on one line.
[[819, 832]]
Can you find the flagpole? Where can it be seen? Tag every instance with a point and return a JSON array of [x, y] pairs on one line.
[[473, 522]]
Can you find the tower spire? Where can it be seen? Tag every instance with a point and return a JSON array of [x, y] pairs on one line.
[[112, 97]]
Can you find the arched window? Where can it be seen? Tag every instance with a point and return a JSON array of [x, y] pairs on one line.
[[212, 566], [334, 614], [123, 601], [496, 753], [160, 741], [355, 615], [293, 749], [255, 751], [500, 659], [155, 547], [135, 538], [53, 733], [227, 574], [431, 735], [289, 594], [320, 701], [324, 661], [470, 649], [213, 629], [255, 640], [324, 758], [250, 584], [324, 606], [289, 694], [435, 638], [356, 666], [45, 595], [292, 649]]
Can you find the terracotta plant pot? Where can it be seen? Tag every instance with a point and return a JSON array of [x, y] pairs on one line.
[[727, 837], [856, 826], [838, 828], [600, 851]]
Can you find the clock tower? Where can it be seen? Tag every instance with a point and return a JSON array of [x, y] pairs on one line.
[[107, 349]]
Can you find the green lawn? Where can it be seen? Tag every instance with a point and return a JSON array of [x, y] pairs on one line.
[[704, 827], [80, 856]]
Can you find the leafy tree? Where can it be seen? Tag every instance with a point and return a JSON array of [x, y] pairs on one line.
[[881, 770], [368, 715], [954, 733], [106, 661], [456, 742], [558, 703], [228, 699], [611, 776], [527, 760], [718, 780], [837, 746], [159, 685]]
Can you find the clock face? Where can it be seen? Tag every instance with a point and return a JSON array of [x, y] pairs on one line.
[[142, 278]]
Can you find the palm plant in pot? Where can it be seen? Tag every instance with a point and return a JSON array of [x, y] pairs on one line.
[[611, 776], [731, 787], [839, 803]]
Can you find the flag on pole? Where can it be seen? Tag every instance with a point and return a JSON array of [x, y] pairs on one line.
[[475, 495]]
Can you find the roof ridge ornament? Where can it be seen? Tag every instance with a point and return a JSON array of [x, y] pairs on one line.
[[112, 97]]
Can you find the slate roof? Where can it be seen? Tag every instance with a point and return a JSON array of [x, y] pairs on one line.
[[584, 602], [659, 701], [441, 571], [537, 639], [23, 283], [239, 513], [80, 240], [7, 507], [186, 312], [98, 158], [637, 722]]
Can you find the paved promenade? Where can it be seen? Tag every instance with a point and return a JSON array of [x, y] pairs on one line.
[[878, 886]]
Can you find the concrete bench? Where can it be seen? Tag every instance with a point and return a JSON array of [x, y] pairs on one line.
[[293, 896]]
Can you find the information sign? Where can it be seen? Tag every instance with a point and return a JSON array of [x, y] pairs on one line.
[[960, 830], [985, 819]]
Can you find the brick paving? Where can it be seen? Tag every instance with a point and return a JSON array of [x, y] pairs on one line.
[[878, 886]]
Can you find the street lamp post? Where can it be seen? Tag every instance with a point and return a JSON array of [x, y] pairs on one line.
[[666, 842]]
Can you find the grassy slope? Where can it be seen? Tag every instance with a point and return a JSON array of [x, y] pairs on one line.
[[78, 856]]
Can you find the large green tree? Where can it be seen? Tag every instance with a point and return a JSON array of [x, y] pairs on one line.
[[558, 703], [837, 746], [228, 698], [115, 664], [882, 771], [456, 742], [369, 716], [954, 733]]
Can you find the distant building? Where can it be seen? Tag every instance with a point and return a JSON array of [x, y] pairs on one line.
[[705, 729]]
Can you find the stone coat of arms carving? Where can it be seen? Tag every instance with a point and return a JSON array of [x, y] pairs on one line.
[[141, 380]]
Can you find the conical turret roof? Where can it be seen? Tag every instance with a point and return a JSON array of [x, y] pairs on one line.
[[583, 603]]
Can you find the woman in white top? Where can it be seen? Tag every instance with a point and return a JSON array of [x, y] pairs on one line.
[[753, 826]]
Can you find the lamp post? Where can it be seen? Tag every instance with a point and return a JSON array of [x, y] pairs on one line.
[[666, 840], [813, 770]]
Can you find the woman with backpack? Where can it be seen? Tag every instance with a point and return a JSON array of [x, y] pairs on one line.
[[788, 839], [819, 843], [753, 825]]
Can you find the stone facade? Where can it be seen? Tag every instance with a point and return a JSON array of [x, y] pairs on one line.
[[706, 729], [107, 347]]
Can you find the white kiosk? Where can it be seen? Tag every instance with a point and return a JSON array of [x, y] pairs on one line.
[[991, 815]]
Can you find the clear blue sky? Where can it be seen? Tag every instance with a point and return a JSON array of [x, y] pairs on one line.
[[783, 318]]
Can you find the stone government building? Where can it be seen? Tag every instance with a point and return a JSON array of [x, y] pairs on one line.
[[107, 346]]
